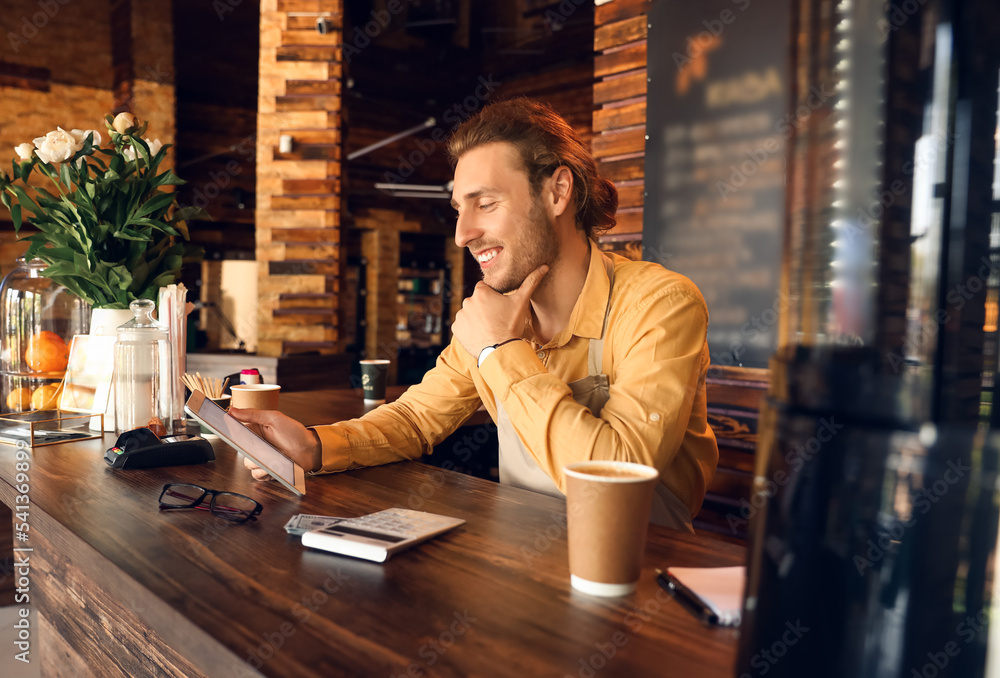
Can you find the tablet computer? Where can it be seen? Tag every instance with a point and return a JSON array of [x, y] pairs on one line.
[[236, 433]]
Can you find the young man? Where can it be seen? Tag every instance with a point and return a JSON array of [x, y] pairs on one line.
[[576, 354]]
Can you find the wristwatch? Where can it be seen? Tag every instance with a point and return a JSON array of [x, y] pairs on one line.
[[489, 349]]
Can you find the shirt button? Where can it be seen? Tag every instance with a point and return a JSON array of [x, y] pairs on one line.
[[541, 355], [654, 416]]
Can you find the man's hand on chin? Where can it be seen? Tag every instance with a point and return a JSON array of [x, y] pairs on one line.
[[488, 317], [292, 439]]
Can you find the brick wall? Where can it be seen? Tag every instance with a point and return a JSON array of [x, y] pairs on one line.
[[298, 191], [58, 70]]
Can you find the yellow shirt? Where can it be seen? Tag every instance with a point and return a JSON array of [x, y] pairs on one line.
[[655, 356]]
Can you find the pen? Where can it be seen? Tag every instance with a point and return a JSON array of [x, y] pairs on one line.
[[686, 597]]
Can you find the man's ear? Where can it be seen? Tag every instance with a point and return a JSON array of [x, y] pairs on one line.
[[561, 185]]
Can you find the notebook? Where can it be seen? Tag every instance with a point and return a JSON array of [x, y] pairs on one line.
[[714, 593]]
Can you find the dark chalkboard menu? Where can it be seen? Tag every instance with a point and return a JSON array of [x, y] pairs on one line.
[[717, 126]]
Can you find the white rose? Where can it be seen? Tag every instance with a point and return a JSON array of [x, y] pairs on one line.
[[154, 147], [24, 150], [56, 146], [81, 136], [123, 122]]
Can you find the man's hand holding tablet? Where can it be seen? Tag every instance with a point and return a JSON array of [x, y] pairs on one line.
[[294, 440], [283, 466]]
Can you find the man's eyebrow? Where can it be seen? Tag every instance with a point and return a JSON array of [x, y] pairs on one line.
[[472, 195]]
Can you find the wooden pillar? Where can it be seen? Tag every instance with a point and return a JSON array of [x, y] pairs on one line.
[[298, 188], [619, 143], [380, 247], [380, 231]]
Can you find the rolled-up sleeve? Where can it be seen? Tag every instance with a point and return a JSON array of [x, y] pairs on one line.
[[408, 427]]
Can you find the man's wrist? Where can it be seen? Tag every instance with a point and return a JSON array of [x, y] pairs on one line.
[[489, 349]]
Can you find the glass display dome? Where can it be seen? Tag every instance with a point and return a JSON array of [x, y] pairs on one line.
[[40, 318]]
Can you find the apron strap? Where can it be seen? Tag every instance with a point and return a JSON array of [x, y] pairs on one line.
[[595, 357]]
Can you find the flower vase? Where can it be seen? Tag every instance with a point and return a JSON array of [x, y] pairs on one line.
[[104, 322]]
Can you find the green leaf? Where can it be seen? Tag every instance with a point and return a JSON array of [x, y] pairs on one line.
[[168, 178], [156, 224], [26, 202], [15, 215], [141, 148], [129, 234], [154, 204], [190, 212], [64, 175]]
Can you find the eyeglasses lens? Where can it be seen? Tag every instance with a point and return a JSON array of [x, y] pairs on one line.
[[233, 506], [181, 495]]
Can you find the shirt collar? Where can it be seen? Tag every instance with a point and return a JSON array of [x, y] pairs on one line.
[[587, 318]]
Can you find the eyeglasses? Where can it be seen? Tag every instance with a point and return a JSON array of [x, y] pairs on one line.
[[227, 505]]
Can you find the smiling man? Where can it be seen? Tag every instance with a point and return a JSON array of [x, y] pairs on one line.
[[576, 354]]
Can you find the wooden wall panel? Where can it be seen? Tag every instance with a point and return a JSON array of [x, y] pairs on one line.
[[298, 190], [619, 117]]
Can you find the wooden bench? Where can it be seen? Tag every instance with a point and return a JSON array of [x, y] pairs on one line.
[[734, 398]]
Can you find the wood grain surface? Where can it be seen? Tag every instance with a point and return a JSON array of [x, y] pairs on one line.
[[131, 591]]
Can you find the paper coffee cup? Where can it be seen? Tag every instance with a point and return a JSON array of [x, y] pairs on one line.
[[607, 507], [373, 377], [256, 396]]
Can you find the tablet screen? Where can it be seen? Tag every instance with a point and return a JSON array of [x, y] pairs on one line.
[[246, 441]]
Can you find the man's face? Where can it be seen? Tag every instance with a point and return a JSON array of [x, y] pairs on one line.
[[506, 229]]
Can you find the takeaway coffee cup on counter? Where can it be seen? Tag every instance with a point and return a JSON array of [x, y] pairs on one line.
[[607, 507], [373, 377], [256, 396]]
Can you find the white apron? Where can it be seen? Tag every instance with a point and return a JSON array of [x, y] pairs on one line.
[[518, 467]]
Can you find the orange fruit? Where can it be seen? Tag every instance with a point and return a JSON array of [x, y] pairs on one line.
[[19, 399], [46, 352], [46, 397]]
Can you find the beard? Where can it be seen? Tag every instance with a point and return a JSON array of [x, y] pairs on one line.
[[535, 244]]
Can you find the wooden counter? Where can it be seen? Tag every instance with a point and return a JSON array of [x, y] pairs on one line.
[[122, 589]]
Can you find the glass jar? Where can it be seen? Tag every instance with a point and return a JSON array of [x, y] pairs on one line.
[[40, 318], [143, 397]]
